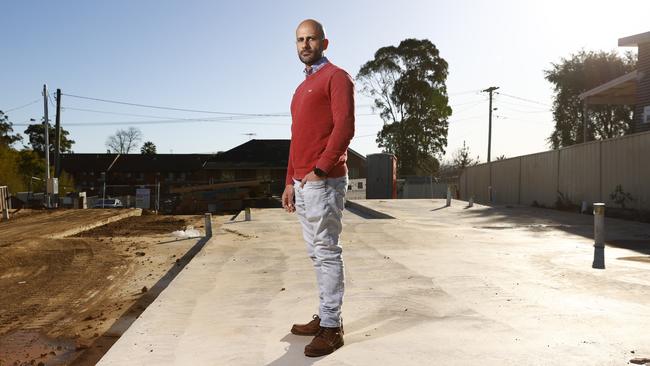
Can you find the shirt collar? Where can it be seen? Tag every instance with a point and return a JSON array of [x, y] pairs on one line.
[[316, 66]]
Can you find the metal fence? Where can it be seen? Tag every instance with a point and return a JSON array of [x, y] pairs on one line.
[[608, 171], [420, 187]]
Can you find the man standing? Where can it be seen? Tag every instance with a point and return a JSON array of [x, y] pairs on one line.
[[322, 112]]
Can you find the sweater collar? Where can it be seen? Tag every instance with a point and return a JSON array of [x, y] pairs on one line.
[[311, 70]]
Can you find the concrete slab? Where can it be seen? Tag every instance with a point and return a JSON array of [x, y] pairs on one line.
[[435, 285]]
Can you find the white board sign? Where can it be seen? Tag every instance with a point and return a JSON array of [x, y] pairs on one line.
[[142, 198]]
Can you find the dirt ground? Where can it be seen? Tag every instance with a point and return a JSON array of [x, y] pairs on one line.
[[65, 301]]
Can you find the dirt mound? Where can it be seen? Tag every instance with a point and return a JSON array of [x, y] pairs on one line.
[[141, 225], [65, 301]]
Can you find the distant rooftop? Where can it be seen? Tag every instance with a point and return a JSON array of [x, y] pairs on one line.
[[635, 40]]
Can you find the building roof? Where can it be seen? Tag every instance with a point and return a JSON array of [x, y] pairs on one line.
[[254, 154], [635, 40], [73, 163], [621, 90]]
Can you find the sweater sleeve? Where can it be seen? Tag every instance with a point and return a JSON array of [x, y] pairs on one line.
[[342, 106], [289, 178]]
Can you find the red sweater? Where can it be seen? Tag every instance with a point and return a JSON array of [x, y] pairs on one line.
[[322, 112]]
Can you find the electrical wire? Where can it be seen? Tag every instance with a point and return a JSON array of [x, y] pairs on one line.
[[22, 106], [519, 104], [521, 111], [179, 109], [49, 97], [523, 99]]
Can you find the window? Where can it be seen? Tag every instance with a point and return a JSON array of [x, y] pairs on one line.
[[360, 185]]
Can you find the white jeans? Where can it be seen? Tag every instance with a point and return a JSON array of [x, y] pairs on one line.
[[319, 206]]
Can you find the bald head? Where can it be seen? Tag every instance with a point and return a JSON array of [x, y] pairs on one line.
[[313, 25], [310, 41]]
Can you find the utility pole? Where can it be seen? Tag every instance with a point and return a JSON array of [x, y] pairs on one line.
[[490, 90], [57, 136], [46, 126], [490, 193]]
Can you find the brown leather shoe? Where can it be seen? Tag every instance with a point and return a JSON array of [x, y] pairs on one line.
[[309, 329], [325, 342]]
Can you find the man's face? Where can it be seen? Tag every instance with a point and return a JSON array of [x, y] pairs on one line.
[[310, 43]]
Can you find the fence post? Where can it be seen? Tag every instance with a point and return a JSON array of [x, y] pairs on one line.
[[208, 225], [448, 195], [599, 236], [248, 214]]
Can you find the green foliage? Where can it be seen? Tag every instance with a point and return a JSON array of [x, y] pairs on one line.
[[10, 173], [37, 139], [461, 158], [578, 73], [407, 84], [31, 164], [148, 148], [6, 130]]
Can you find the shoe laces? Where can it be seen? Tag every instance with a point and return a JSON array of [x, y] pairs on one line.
[[323, 331]]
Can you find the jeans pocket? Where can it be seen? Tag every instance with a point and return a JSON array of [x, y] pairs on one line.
[[315, 196]]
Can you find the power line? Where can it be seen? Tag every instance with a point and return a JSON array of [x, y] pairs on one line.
[[466, 103], [520, 111], [522, 105], [466, 92], [524, 99], [470, 107], [179, 109], [49, 98], [226, 120], [128, 114], [23, 106], [171, 121]]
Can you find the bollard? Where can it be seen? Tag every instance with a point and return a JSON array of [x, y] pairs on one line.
[[471, 202], [5, 214], [208, 225], [448, 196], [583, 208], [599, 236], [248, 214]]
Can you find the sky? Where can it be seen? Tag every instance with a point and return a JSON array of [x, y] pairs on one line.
[[237, 58]]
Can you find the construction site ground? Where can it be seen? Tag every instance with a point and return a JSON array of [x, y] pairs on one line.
[[433, 285], [72, 281]]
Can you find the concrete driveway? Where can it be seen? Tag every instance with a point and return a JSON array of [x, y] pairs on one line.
[[433, 286]]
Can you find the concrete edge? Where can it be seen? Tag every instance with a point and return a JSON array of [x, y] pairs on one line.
[[70, 232], [365, 212]]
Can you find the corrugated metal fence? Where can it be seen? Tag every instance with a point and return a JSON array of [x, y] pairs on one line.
[[586, 172]]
